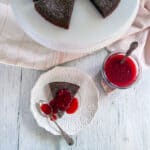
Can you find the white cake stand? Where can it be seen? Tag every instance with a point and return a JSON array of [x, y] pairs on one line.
[[88, 30]]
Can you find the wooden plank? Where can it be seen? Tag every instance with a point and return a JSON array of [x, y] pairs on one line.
[[115, 126], [9, 105], [32, 137], [122, 120]]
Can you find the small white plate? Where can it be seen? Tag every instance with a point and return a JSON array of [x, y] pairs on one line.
[[87, 95], [88, 30]]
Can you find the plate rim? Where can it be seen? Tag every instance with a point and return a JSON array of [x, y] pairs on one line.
[[51, 130]]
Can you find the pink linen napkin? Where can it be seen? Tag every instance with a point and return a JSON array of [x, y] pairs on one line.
[[139, 31], [17, 48]]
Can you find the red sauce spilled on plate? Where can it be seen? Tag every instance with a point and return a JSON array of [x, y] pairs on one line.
[[73, 106], [63, 102], [46, 109]]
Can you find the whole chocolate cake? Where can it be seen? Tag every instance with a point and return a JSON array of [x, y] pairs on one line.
[[105, 7], [58, 12]]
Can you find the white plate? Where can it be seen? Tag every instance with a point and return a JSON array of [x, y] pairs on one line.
[[87, 95], [88, 30]]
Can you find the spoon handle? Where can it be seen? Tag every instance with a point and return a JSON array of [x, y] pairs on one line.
[[133, 46], [67, 138]]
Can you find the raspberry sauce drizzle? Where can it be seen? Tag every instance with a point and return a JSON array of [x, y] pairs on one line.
[[63, 102]]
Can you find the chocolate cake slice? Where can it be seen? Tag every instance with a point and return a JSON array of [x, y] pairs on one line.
[[56, 86], [105, 7], [58, 12]]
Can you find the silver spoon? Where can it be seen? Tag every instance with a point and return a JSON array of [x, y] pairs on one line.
[[132, 47], [67, 138]]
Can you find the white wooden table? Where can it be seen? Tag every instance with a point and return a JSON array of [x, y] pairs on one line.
[[121, 123]]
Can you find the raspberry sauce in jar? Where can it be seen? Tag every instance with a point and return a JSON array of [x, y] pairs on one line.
[[117, 74]]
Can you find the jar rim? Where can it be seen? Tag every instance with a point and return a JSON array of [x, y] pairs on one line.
[[112, 85]]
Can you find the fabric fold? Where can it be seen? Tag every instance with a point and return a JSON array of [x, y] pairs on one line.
[[17, 48]]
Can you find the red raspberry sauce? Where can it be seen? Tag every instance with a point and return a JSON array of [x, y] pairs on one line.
[[53, 117], [46, 109], [119, 74], [73, 106], [63, 102]]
